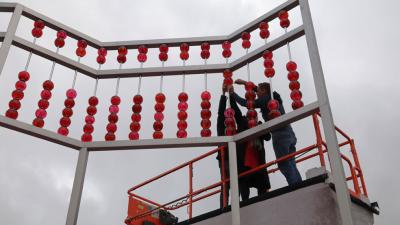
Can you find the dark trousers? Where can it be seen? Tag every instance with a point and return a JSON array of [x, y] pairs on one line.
[[283, 147]]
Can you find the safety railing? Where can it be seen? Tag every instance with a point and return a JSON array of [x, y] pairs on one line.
[[356, 174]]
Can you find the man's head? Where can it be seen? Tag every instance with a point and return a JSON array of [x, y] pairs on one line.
[[263, 89]]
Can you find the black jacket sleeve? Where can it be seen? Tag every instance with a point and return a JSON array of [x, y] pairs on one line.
[[238, 99], [221, 117]]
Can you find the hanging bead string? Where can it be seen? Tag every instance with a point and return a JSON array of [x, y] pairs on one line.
[[29, 56], [162, 77], [205, 95], [205, 76], [75, 74], [140, 80], [95, 87], [160, 97], [118, 81], [53, 65], [205, 54]]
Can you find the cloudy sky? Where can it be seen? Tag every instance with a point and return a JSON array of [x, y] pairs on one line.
[[359, 53]]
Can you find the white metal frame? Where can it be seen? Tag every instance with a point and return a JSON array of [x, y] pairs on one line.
[[322, 104]]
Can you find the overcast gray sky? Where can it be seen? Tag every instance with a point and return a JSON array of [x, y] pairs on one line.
[[358, 42]]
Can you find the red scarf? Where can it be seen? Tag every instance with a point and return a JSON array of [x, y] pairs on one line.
[[251, 157]]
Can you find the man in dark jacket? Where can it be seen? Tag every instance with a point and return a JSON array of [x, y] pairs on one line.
[[260, 179], [283, 139]]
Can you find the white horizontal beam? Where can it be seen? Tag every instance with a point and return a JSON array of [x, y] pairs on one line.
[[39, 133], [276, 123], [7, 6], [157, 143], [52, 56]]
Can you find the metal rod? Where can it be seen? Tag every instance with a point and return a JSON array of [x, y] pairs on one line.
[[29, 56], [95, 87], [75, 74], [77, 188], [53, 65]]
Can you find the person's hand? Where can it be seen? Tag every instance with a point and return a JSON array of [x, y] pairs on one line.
[[230, 89], [240, 81]]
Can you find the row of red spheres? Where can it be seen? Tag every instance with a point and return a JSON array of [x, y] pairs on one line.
[[182, 107], [67, 112], [88, 128], [159, 116]]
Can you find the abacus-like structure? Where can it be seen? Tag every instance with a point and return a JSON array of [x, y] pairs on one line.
[[204, 137]]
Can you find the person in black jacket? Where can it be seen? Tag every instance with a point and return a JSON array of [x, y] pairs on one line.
[[260, 179]]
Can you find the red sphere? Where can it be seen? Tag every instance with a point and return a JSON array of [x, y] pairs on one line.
[[182, 125], [293, 75], [295, 95], [101, 59], [205, 104], [113, 109], [182, 115], [20, 85], [229, 122], [45, 94], [205, 123], [37, 32], [250, 104], [137, 99], [269, 72], [228, 81], [227, 73], [67, 112], [135, 126], [163, 56], [38, 24], [143, 49], [205, 114], [133, 136], [205, 95], [59, 42], [82, 44], [121, 58], [91, 110], [110, 137], [264, 34], [14, 104], [183, 97], [294, 85], [71, 93], [113, 118], [205, 133], [291, 66], [136, 108], [227, 53], [273, 104], [283, 15], [90, 119], [12, 114], [263, 26], [111, 127], [88, 128], [226, 45], [205, 54], [163, 48], [273, 114], [249, 86], [205, 46], [252, 123], [17, 94], [297, 104], [115, 100], [69, 103], [93, 101], [184, 55], [184, 47], [284, 23], [182, 106], [65, 122], [102, 51], [181, 134], [246, 36], [122, 50], [38, 122], [268, 54], [160, 98], [48, 85], [158, 125], [158, 135], [229, 112], [246, 44], [86, 138], [268, 63], [250, 95], [136, 117], [229, 131], [41, 113], [159, 107], [159, 116], [80, 52], [142, 57], [61, 34], [251, 113], [23, 76]]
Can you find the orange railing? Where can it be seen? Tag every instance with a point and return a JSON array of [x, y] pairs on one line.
[[193, 196]]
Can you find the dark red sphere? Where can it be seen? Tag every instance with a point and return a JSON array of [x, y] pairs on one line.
[[20, 85], [182, 115], [136, 117], [264, 34], [226, 45], [86, 138], [184, 47], [294, 85], [273, 104], [250, 104], [252, 123], [67, 112], [250, 95], [229, 131], [246, 36], [183, 97], [135, 126], [88, 128], [159, 107], [38, 122], [249, 86], [229, 122], [111, 127], [251, 113], [90, 119], [205, 46], [158, 125], [246, 44], [101, 59], [182, 106], [181, 134], [228, 81], [205, 114], [268, 54], [136, 108], [93, 101], [121, 58], [297, 104], [91, 110], [133, 136], [12, 114], [268, 63], [14, 104], [205, 54], [227, 53], [269, 72], [263, 26], [23, 76], [163, 48], [143, 49], [291, 66], [17, 94], [109, 137], [158, 135], [61, 34], [205, 104], [137, 99], [38, 24], [102, 51], [69, 103], [227, 73], [115, 100], [293, 75], [65, 121], [273, 114], [283, 14], [159, 116], [205, 123], [296, 95], [59, 42], [205, 133], [160, 98], [81, 52], [184, 55], [182, 124], [142, 57], [205, 95], [163, 56], [48, 85], [37, 32], [284, 23], [122, 50], [82, 44]]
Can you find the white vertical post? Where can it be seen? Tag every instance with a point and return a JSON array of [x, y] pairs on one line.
[[12, 28], [233, 174], [342, 193], [77, 188]]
